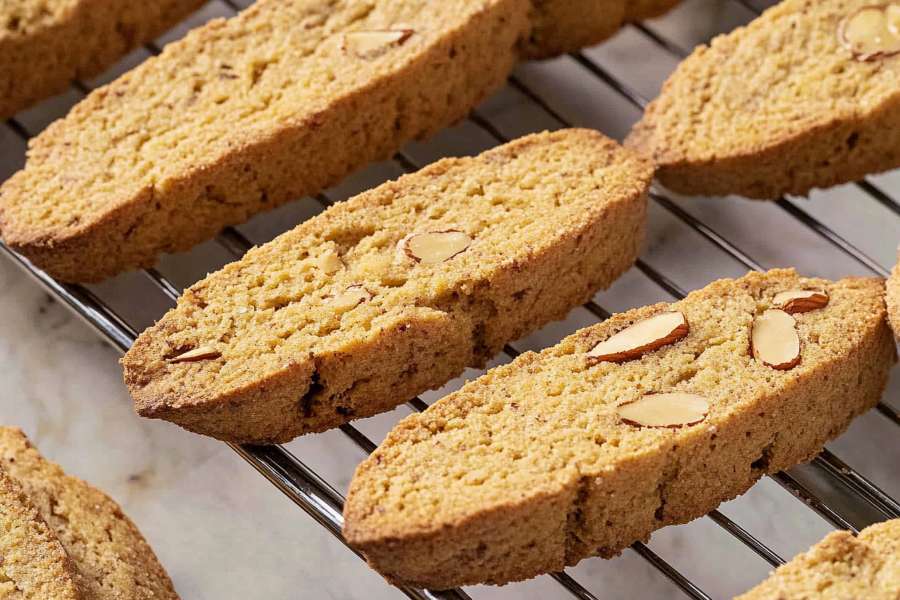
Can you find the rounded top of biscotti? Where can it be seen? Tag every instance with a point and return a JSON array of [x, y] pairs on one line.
[[366, 265], [751, 90], [230, 85], [535, 427], [34, 565], [111, 558]]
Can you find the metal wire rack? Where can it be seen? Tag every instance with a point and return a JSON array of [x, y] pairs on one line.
[[849, 500]]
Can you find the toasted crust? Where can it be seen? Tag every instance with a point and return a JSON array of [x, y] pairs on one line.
[[553, 217], [111, 559], [893, 299], [45, 45], [777, 107], [242, 115], [34, 564], [528, 469], [560, 26], [841, 566]]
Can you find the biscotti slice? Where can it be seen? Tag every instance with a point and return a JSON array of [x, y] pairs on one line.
[[805, 96], [394, 291], [243, 114], [45, 44], [893, 298], [650, 418], [111, 558], [34, 565], [840, 567], [560, 26]]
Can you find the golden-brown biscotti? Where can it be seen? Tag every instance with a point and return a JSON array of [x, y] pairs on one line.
[[561, 455], [560, 26], [893, 298], [243, 114], [394, 291], [840, 567], [33, 564], [45, 44], [109, 556], [780, 106]]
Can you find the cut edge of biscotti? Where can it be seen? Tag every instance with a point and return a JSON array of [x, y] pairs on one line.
[[651, 418], [810, 148], [866, 565], [128, 175], [34, 562], [113, 556], [394, 291], [892, 296]]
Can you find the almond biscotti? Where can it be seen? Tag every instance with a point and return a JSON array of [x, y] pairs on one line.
[[104, 554], [560, 26], [35, 566], [394, 291], [840, 567], [807, 95], [45, 44], [651, 418], [243, 114]]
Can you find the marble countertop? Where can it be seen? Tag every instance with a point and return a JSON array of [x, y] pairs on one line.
[[224, 533]]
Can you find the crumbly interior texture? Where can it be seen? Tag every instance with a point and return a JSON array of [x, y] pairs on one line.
[[777, 107], [33, 564], [244, 114], [45, 44], [529, 469], [839, 567], [560, 26], [110, 559], [553, 217], [893, 298]]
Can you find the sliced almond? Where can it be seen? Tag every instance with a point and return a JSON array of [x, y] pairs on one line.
[[642, 337], [774, 340], [872, 32], [672, 409], [199, 353], [352, 297], [800, 301], [369, 44], [330, 262], [434, 247]]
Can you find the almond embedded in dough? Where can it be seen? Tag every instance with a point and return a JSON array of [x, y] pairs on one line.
[[672, 409], [642, 337], [774, 340]]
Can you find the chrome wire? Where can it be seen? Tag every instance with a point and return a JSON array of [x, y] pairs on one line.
[[324, 504]]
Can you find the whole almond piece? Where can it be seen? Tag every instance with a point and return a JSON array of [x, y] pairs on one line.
[[642, 337], [435, 247], [672, 409], [199, 353], [774, 340], [369, 44], [800, 301]]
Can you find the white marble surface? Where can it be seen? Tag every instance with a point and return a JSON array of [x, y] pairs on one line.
[[225, 533]]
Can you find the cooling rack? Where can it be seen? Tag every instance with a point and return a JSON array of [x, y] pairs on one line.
[[604, 87]]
